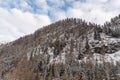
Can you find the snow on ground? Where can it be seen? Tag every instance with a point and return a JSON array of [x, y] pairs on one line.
[[114, 57], [111, 57], [60, 59], [108, 40]]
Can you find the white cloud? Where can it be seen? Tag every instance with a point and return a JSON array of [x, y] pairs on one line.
[[42, 6], [113, 5], [24, 5], [76, 13], [99, 16], [56, 3], [58, 15], [98, 11], [19, 4], [15, 23], [96, 1]]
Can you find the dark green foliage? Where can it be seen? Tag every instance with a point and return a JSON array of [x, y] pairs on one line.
[[87, 47], [97, 32], [62, 70], [97, 36], [80, 56], [97, 49], [58, 46]]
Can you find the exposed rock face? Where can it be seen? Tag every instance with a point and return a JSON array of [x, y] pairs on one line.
[[60, 47]]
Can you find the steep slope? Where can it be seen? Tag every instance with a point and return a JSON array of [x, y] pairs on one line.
[[57, 49], [51, 36]]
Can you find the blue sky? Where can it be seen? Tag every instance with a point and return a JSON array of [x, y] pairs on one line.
[[21, 17]]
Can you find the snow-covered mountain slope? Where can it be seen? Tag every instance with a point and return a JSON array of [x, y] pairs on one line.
[[62, 48], [111, 54]]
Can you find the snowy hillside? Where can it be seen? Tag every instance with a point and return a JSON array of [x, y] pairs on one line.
[[70, 49]]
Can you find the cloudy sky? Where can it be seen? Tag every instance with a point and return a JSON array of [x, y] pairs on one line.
[[21, 17]]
